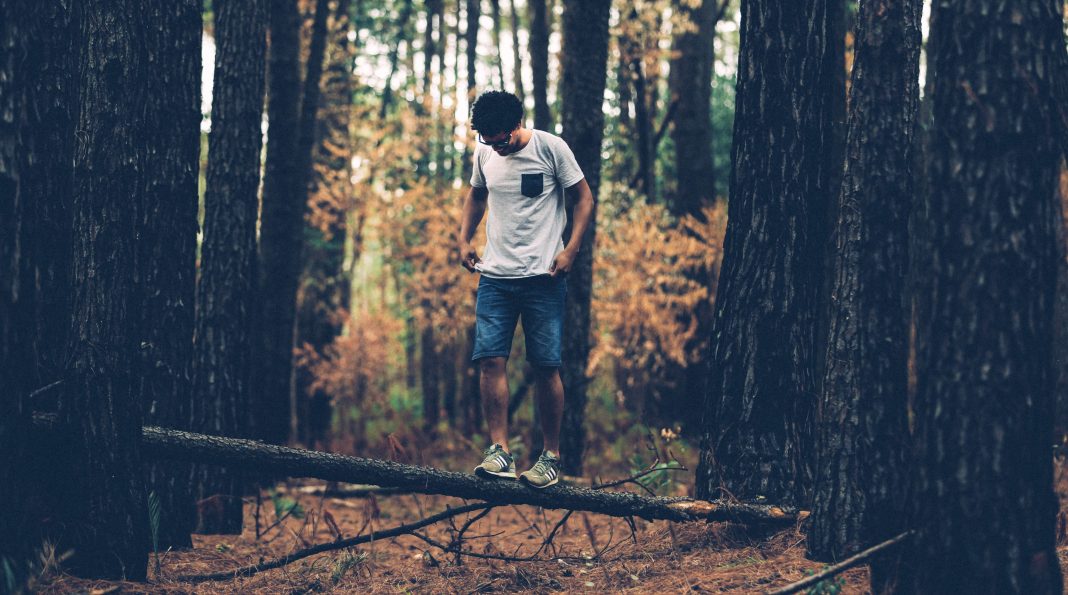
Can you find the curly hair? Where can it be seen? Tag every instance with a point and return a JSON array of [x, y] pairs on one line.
[[495, 112]]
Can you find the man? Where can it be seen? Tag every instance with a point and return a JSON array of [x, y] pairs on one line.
[[523, 176]]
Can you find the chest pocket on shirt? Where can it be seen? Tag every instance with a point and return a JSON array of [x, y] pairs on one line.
[[532, 185]]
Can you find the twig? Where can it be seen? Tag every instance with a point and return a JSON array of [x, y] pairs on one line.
[[409, 528], [40, 391], [846, 564]]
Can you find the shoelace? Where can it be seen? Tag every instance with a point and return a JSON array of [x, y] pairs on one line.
[[542, 466]]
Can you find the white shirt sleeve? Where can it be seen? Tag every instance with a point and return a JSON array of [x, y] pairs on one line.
[[568, 172], [478, 179]]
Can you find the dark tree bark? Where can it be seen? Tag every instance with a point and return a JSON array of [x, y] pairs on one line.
[[863, 435], [983, 404], [37, 102], [104, 514], [584, 66], [227, 290], [761, 394], [469, 388], [280, 461], [540, 14], [168, 245], [690, 82], [281, 226], [517, 55]]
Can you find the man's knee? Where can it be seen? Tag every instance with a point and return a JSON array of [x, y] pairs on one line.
[[546, 373], [492, 365]]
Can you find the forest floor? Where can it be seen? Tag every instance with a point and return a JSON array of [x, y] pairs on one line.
[[590, 552]]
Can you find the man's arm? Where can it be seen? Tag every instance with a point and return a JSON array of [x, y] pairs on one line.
[[474, 208], [582, 197]]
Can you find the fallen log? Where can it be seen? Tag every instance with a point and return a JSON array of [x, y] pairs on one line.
[[292, 462], [281, 461]]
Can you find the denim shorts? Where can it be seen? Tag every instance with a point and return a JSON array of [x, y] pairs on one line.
[[538, 300]]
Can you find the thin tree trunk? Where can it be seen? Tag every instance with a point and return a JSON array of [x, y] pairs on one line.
[[584, 69], [984, 408], [226, 293], [690, 82], [394, 57], [517, 55], [105, 517], [761, 395], [643, 117], [495, 12], [429, 379], [281, 226], [540, 14], [863, 435]]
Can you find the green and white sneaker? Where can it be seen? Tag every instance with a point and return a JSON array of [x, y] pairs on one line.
[[544, 473], [497, 463]]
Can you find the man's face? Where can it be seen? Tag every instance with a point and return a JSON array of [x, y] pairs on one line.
[[501, 142]]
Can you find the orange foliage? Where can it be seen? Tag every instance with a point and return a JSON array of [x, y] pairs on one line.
[[644, 300]]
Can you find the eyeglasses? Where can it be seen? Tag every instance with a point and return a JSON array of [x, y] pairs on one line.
[[496, 144]]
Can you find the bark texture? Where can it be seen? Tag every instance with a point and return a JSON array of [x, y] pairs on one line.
[[862, 434], [983, 502], [167, 245], [583, 72], [539, 61], [282, 461], [104, 514], [226, 293], [281, 226], [761, 396]]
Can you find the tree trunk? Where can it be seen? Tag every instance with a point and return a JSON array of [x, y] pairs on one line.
[[495, 12], [281, 226], [643, 113], [517, 55], [761, 394], [690, 82], [583, 72], [227, 289], [429, 379], [104, 514], [168, 247], [540, 13], [38, 95], [862, 440], [983, 406], [281, 461]]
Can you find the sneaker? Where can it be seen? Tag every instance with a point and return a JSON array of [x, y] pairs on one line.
[[544, 473], [497, 463]]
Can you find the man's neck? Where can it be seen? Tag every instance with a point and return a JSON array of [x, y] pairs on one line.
[[522, 138]]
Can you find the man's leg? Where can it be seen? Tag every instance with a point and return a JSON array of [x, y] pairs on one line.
[[549, 393], [494, 387]]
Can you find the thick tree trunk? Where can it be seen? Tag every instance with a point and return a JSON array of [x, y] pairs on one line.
[[226, 293], [863, 435], [540, 14], [983, 407], [583, 73], [37, 102], [690, 82], [761, 395], [281, 226], [168, 246], [104, 514]]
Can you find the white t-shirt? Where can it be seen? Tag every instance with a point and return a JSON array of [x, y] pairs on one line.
[[526, 219]]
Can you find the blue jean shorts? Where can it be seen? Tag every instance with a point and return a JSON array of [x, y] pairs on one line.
[[538, 300]]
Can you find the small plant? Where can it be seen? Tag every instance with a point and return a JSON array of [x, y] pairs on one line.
[[285, 506], [153, 526], [345, 563], [828, 586]]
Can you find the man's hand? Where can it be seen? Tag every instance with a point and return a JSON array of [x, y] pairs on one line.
[[562, 263], [468, 256]]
